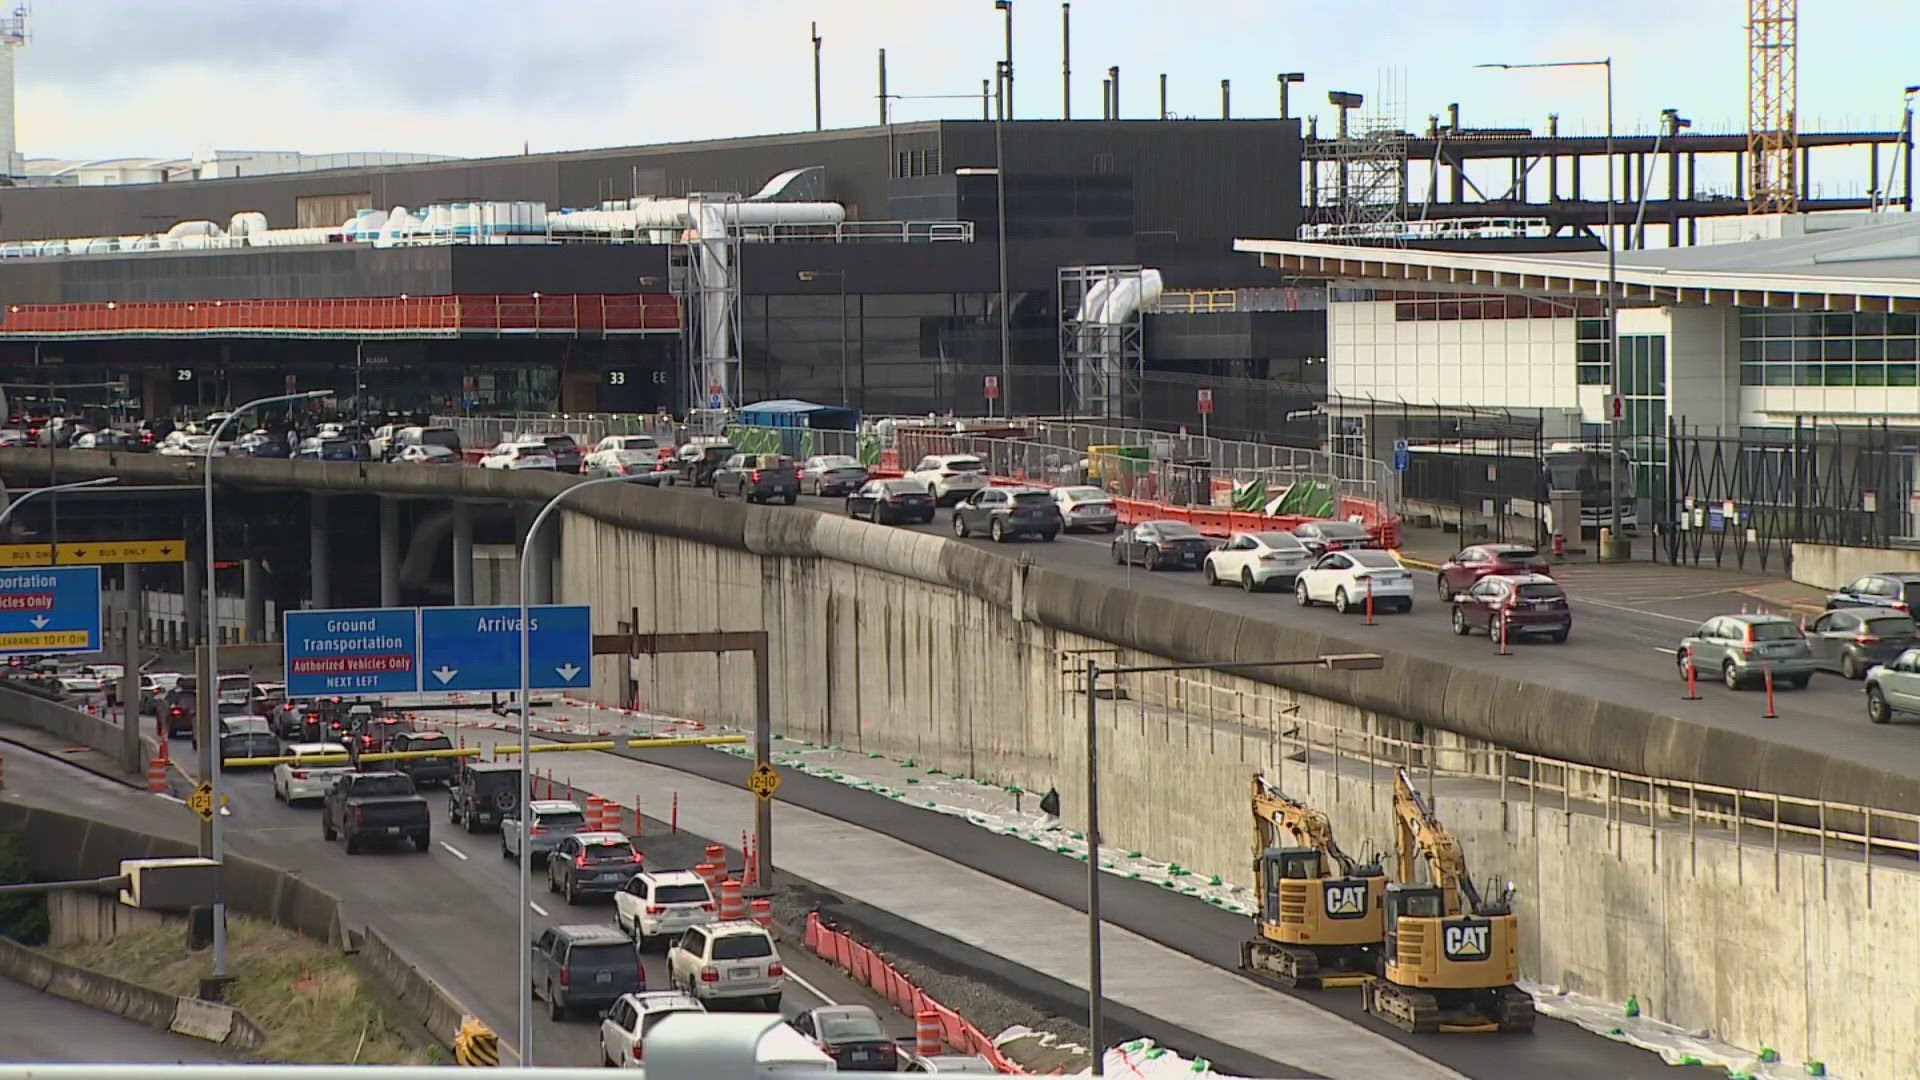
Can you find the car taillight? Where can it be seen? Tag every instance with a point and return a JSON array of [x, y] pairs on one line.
[[357, 811], [708, 906], [176, 711], [709, 975], [656, 909], [1747, 646], [299, 774], [1335, 545], [774, 970], [1899, 605], [756, 476], [536, 831], [580, 860], [1866, 639], [1165, 545], [336, 725], [566, 977], [636, 1051]]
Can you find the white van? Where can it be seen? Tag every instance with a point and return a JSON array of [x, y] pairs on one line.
[[782, 1050]]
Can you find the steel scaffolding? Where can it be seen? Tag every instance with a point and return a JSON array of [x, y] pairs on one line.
[[1101, 356]]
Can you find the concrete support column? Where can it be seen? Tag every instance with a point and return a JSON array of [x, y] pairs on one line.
[[253, 600], [546, 553], [389, 552], [462, 553], [320, 557], [135, 597], [193, 576]]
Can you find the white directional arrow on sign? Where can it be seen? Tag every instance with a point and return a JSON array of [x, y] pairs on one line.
[[39, 622], [567, 671], [445, 674]]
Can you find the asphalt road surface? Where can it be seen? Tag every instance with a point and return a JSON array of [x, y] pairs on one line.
[[37, 1028], [1627, 621]]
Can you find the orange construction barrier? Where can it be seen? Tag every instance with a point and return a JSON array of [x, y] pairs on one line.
[[717, 855], [732, 906], [596, 813], [761, 910], [711, 875], [157, 775], [926, 1034]]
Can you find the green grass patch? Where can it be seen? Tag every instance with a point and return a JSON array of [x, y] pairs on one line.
[[308, 996]]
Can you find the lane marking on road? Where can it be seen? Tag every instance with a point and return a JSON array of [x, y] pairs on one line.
[[171, 797], [1634, 610], [454, 851], [1664, 649], [542, 912], [811, 989]]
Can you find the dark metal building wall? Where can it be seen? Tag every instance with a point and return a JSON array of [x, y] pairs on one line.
[[265, 273]]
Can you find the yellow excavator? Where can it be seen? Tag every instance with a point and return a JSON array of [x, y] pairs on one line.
[[1318, 918], [1451, 958]]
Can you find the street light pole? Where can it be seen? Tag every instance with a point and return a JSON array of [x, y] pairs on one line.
[[1000, 215], [1095, 993], [1613, 292], [209, 692], [7, 512], [526, 754]]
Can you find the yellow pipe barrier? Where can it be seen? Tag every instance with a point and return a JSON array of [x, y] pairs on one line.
[[475, 751]]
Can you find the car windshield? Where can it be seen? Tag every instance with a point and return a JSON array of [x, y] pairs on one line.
[[679, 894], [382, 787], [1032, 498], [599, 956], [741, 947], [965, 464], [1518, 554], [633, 457], [1282, 541], [429, 742], [560, 442], [1082, 494], [1540, 590], [1891, 626], [838, 461], [337, 450], [441, 437], [1177, 530], [637, 442], [607, 853], [246, 725], [563, 819], [851, 1027], [901, 487], [1341, 530], [1375, 558], [496, 781], [1772, 631]]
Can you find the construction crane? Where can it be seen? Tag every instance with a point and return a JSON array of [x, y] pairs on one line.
[[1450, 958], [1773, 98], [1318, 919]]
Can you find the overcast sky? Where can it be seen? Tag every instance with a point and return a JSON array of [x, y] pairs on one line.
[[103, 78]]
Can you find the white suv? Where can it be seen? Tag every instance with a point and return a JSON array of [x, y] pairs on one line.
[[626, 1025], [729, 961], [949, 478], [655, 906], [522, 455]]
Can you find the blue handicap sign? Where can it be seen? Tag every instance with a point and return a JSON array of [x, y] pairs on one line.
[[713, 401], [478, 648], [50, 611], [352, 651], [1402, 457]]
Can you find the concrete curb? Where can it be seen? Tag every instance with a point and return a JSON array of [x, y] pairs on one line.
[[424, 1000], [214, 1023]]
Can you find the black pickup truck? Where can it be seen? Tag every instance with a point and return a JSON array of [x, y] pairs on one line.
[[366, 806]]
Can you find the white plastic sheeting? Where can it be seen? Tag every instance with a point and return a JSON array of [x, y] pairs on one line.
[[1142, 1058], [1676, 1046]]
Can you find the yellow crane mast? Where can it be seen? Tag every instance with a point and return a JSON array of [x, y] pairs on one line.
[[1450, 958], [1317, 920]]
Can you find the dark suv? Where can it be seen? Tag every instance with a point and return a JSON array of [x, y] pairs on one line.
[[425, 771], [483, 792], [1896, 589], [1006, 512], [758, 478], [584, 967], [566, 452]]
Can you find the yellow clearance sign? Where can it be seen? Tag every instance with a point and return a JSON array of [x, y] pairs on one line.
[[91, 553]]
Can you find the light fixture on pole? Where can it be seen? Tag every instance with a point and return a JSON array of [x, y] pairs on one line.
[[846, 394], [209, 692], [1613, 291], [1096, 1009], [525, 923]]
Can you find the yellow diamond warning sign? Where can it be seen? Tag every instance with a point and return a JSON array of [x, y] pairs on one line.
[[763, 781]]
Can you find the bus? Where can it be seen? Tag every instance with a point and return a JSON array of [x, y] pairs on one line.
[[1468, 474]]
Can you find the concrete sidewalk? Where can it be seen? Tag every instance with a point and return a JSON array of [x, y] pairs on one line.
[[1007, 921]]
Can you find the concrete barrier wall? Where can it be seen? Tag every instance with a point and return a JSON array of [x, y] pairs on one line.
[[418, 995], [71, 724], [74, 916], [157, 1009], [1829, 566]]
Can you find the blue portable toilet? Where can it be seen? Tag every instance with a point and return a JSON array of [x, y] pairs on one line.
[[792, 417]]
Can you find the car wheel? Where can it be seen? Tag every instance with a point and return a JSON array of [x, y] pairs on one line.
[[1560, 636], [1404, 606], [277, 793], [717, 493], [1118, 558], [1340, 602], [1206, 572], [1446, 594], [1799, 682], [1877, 710], [552, 885], [790, 498], [959, 525], [1247, 582], [770, 1003], [1460, 622], [326, 829], [1729, 675], [555, 1010], [1684, 663], [504, 853], [1849, 667], [422, 841], [1050, 535], [1300, 595], [353, 844], [570, 892], [998, 531]]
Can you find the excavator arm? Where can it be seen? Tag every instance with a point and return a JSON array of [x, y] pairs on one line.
[[1277, 815], [1422, 835]]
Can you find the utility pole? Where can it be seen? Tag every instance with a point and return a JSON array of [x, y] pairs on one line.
[[1066, 61], [1113, 91], [1006, 7], [1163, 95], [883, 88], [814, 29], [1226, 99]]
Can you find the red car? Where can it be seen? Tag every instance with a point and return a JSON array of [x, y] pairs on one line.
[[1531, 604], [1459, 573]]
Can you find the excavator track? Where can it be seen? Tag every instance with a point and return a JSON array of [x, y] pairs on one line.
[[1283, 967], [1513, 1010], [1410, 1010]]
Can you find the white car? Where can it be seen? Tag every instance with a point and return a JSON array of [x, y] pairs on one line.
[[653, 906], [782, 1050], [520, 455], [381, 440], [427, 454], [183, 444], [295, 781], [82, 684], [1346, 578], [729, 961], [1256, 560], [949, 478], [613, 444], [1084, 507], [626, 1025]]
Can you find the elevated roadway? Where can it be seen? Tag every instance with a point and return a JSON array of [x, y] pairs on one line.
[[37, 1028]]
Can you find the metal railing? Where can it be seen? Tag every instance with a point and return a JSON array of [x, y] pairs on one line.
[[1215, 708], [481, 432], [863, 232]]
